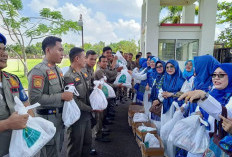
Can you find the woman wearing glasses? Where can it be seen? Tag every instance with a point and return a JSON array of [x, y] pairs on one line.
[[173, 81], [151, 75], [157, 85], [214, 102]]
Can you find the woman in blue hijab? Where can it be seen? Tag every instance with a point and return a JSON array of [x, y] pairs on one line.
[[189, 69], [218, 98], [204, 67], [151, 74], [173, 81], [157, 85], [142, 86]]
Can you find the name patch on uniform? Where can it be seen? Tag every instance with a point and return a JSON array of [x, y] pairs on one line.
[[14, 83], [37, 81], [51, 74]]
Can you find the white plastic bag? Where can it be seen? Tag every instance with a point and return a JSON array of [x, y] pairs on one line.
[[167, 127], [30, 140], [140, 117], [151, 141], [71, 112], [124, 78], [97, 97], [190, 135], [143, 128], [121, 60], [107, 89]]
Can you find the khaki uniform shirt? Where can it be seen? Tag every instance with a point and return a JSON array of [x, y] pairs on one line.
[[99, 74], [79, 81], [9, 88], [111, 74], [45, 85], [90, 72]]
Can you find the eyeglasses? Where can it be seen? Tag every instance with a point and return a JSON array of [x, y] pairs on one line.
[[218, 75], [158, 67], [170, 67]]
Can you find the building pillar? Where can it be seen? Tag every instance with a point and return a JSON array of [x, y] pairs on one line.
[[188, 13], [207, 16], [143, 24], [152, 26]]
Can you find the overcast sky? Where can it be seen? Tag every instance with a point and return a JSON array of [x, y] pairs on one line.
[[104, 20]]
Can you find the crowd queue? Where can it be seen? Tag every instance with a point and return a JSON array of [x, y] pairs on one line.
[[204, 88]]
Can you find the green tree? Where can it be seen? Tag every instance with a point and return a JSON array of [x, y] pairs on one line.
[[67, 48], [174, 14], [22, 28], [224, 16]]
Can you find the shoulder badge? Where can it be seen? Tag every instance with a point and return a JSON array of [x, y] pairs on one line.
[[77, 79], [13, 82], [85, 75], [37, 81], [51, 74]]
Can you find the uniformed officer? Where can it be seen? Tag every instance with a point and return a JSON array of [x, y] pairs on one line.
[[46, 87], [79, 134], [10, 86], [111, 72], [130, 63], [91, 58]]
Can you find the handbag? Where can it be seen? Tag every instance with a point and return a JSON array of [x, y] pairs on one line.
[[219, 132], [156, 109]]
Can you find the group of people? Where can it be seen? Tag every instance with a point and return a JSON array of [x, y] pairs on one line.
[[46, 86], [204, 88]]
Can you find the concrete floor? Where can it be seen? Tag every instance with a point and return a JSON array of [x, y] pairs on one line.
[[123, 141]]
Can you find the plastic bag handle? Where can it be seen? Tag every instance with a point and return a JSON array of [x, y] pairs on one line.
[[33, 106], [97, 83]]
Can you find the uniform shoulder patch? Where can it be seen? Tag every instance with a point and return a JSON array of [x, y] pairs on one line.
[[37, 81], [85, 75], [51, 74], [14, 83], [77, 79]]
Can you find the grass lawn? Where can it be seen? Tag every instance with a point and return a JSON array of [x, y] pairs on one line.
[[14, 66]]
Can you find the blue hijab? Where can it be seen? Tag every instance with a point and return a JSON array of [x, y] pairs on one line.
[[188, 74], [204, 67], [141, 61], [157, 83], [172, 83], [223, 95], [2, 39], [151, 74], [142, 86]]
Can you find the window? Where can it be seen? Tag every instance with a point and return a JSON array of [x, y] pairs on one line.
[[180, 49]]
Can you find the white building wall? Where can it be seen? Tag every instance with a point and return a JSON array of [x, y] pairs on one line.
[[188, 13], [152, 26], [143, 24], [171, 32], [207, 16]]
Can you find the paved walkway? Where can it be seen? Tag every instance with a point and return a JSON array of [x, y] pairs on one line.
[[123, 141]]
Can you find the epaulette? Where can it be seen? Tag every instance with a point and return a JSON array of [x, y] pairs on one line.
[[7, 75]]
